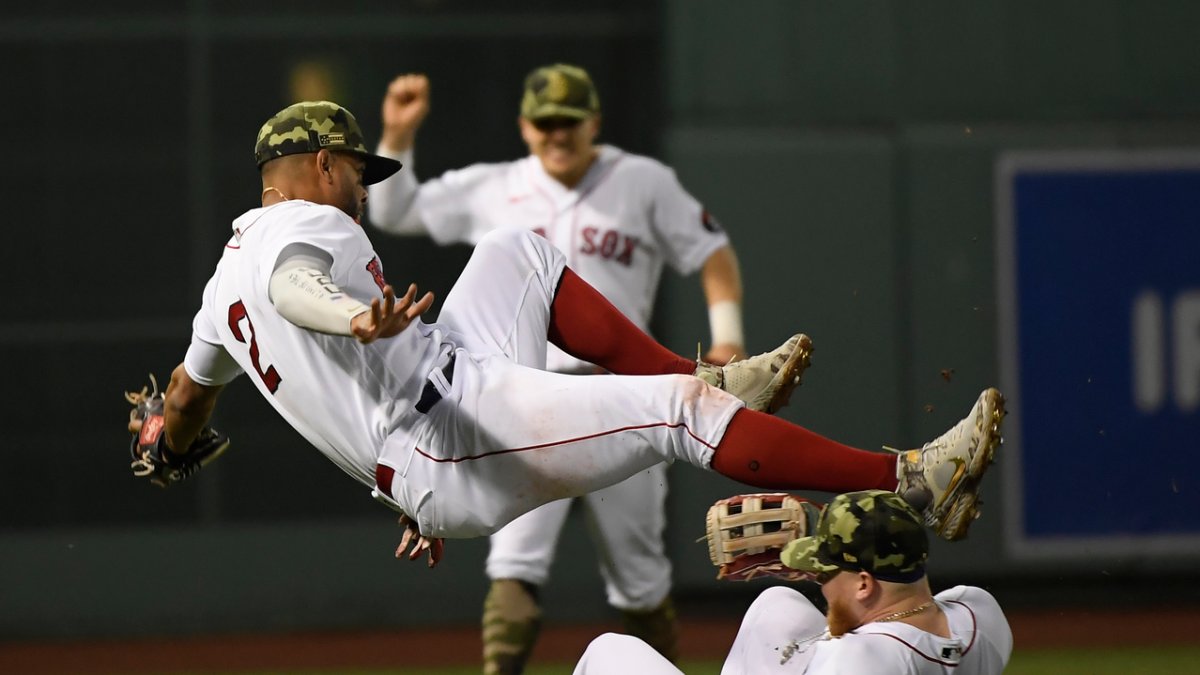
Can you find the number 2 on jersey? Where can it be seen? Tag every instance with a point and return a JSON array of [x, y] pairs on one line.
[[237, 312]]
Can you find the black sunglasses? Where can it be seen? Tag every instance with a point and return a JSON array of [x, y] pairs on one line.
[[547, 124]]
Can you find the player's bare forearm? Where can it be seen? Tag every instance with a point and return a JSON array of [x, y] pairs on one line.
[[722, 281], [187, 406], [721, 276]]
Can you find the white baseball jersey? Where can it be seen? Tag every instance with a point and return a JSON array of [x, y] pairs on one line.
[[343, 397], [502, 437], [783, 633], [626, 218]]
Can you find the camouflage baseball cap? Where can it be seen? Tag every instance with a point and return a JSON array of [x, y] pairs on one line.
[[310, 126], [559, 90], [873, 531]]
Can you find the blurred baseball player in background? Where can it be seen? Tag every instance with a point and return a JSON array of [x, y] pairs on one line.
[[618, 218], [868, 553], [455, 423]]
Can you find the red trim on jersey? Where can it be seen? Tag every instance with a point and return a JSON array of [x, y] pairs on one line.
[[237, 234], [563, 442], [974, 623], [918, 651]]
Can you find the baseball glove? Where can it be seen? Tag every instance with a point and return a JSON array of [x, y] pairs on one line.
[[151, 457], [746, 533]]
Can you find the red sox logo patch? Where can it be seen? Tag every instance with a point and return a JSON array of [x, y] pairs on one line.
[[709, 222], [376, 270]]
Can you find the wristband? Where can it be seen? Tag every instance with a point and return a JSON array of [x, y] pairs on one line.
[[725, 323]]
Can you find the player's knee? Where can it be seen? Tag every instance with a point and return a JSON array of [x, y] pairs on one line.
[[515, 242], [691, 389], [506, 238], [782, 606], [611, 643], [772, 599]]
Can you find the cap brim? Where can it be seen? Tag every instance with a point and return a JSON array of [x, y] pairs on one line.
[[554, 110], [801, 554], [378, 168]]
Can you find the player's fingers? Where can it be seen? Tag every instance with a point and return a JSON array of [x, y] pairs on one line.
[[404, 541], [376, 316], [407, 87], [421, 546], [421, 305], [398, 86], [436, 552], [389, 302], [406, 301]]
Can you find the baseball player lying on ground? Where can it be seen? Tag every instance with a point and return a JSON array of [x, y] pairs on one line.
[[868, 551], [453, 423]]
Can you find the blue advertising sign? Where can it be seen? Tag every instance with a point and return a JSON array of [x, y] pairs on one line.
[[1098, 257]]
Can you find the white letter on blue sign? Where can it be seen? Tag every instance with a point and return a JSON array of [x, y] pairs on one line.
[[1149, 378], [1186, 316]]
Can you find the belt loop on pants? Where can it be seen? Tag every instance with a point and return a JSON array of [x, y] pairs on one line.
[[429, 394]]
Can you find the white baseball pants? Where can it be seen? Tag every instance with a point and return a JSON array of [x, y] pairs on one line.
[[507, 437]]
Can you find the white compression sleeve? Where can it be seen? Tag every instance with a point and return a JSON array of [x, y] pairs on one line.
[[303, 293]]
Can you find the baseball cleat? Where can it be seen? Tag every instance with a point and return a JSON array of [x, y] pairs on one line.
[[942, 478], [765, 382]]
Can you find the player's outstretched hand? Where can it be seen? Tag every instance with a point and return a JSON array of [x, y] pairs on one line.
[[390, 317], [404, 108], [420, 543]]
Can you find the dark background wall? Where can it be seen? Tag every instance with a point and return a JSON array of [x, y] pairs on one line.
[[849, 148]]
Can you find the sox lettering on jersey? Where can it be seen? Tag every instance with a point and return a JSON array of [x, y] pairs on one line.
[[610, 245]]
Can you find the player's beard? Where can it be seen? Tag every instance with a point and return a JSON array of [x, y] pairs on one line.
[[840, 617], [353, 207]]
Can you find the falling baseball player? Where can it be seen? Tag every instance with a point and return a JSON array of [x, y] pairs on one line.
[[618, 218], [453, 423]]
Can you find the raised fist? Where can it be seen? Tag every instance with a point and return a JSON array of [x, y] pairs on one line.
[[404, 108]]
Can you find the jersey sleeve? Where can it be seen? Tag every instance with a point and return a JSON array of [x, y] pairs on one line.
[[686, 232], [207, 362], [390, 201], [992, 625], [451, 205]]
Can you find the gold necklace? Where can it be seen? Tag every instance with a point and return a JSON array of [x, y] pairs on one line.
[[895, 616], [272, 188]]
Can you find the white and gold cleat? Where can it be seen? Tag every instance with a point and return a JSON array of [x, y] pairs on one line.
[[942, 478], [765, 382]]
